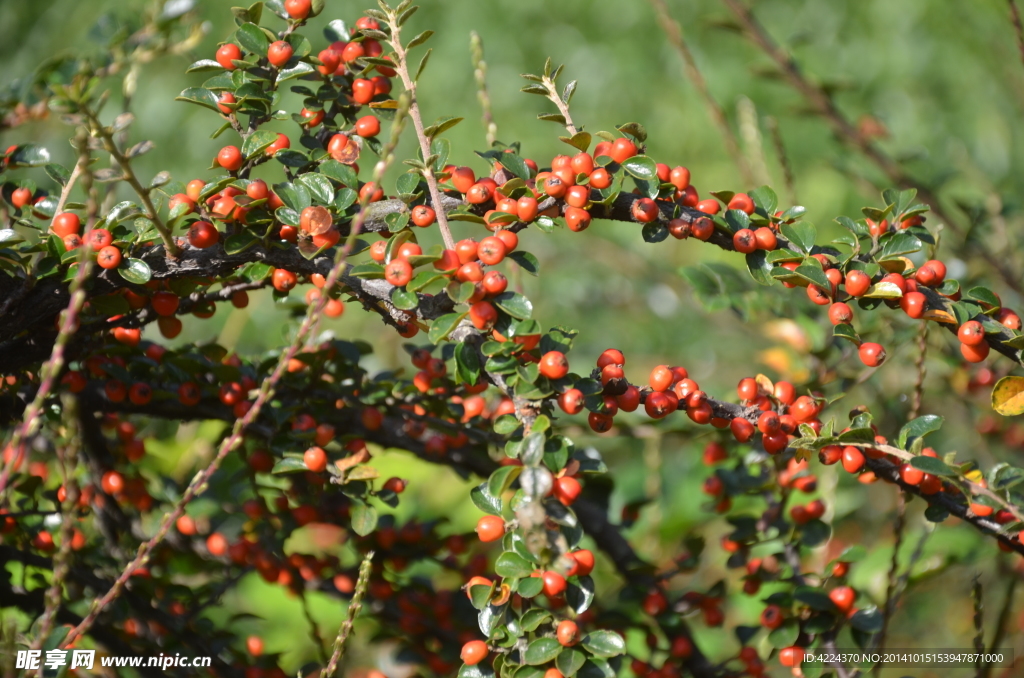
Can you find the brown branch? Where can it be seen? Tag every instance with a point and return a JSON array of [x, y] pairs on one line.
[[894, 565], [674, 32]]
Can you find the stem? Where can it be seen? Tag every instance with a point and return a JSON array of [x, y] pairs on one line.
[[52, 367], [674, 32], [129, 176], [890, 591], [67, 460], [353, 610], [231, 442], [402, 66], [1017, 27], [476, 47], [922, 370], [1001, 623], [563, 107], [979, 621], [780, 152]]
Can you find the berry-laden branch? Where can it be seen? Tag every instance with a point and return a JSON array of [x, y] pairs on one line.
[[234, 439], [69, 323]]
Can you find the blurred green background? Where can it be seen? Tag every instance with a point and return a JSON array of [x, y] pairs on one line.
[[944, 79]]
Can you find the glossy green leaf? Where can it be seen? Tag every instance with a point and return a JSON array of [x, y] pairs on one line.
[[135, 271]]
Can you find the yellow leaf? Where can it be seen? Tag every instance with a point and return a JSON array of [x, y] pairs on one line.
[[362, 473], [765, 384], [1008, 396], [939, 316]]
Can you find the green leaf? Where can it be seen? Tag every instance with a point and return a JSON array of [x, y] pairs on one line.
[[526, 261], [899, 244], [816, 599], [569, 661], [240, 242], [29, 155], [918, 428], [759, 267], [515, 304], [530, 587], [654, 232], [516, 165], [204, 65], [58, 173], [257, 143], [319, 186], [201, 96], [442, 326], [344, 174], [252, 38], [814, 275], [484, 500], [467, 363], [604, 643], [533, 617], [300, 69], [635, 130], [847, 332], [801, 234], [580, 141], [884, 290], [369, 270], [135, 271], [511, 564], [542, 651], [363, 518], [579, 593], [255, 271], [502, 479], [419, 39], [403, 299], [295, 196], [423, 64], [766, 200], [289, 465], [641, 167], [932, 465], [785, 635], [868, 620], [984, 295]]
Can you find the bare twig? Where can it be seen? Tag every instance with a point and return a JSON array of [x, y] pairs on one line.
[[353, 609], [476, 47], [1018, 28], [753, 143], [783, 157], [402, 66], [979, 620], [890, 591], [234, 439], [313, 628], [674, 32], [922, 370], [67, 460], [1004, 619]]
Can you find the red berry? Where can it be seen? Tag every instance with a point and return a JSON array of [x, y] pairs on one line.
[[871, 354], [473, 652], [298, 9], [553, 365], [279, 53], [228, 53], [490, 528]]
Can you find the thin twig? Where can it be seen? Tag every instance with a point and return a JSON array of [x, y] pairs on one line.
[[313, 628], [67, 460], [783, 157], [674, 32], [922, 370], [1018, 28], [476, 48], [1003, 621], [234, 439], [823, 104], [890, 592], [553, 96], [402, 66], [130, 177], [979, 620], [52, 367], [753, 143], [353, 609]]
